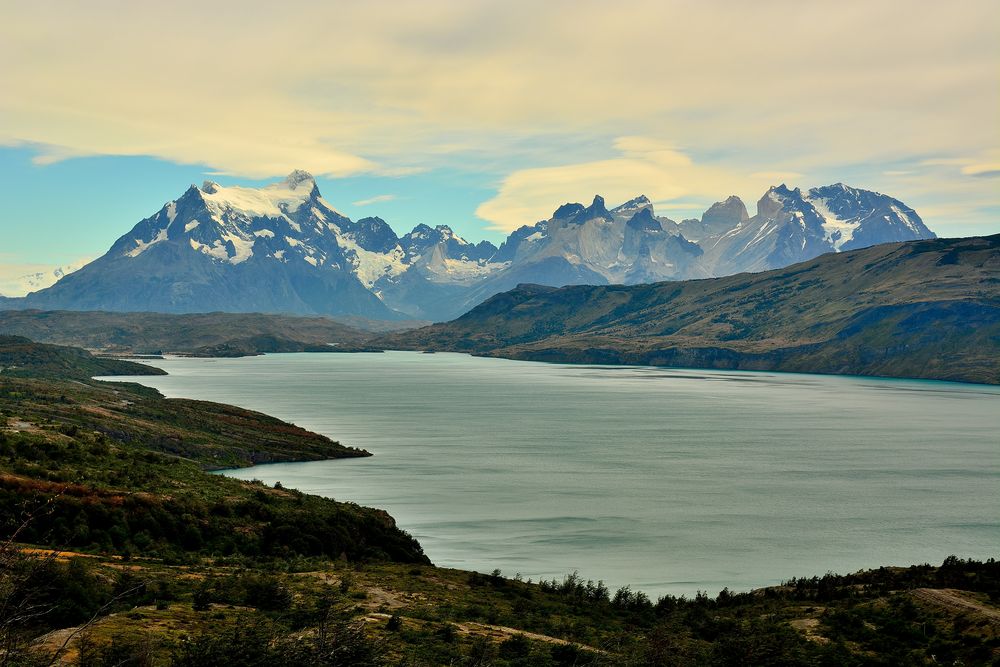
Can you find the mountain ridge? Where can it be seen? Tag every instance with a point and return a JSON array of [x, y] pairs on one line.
[[282, 248]]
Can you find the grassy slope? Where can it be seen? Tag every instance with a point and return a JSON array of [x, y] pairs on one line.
[[207, 334], [928, 309]]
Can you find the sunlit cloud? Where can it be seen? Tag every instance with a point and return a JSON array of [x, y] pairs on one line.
[[745, 92], [989, 169], [644, 166], [373, 200]]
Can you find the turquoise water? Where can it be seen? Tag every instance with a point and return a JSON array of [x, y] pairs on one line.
[[671, 481]]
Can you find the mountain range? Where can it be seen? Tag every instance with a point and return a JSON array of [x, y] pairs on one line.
[[924, 309], [283, 248]]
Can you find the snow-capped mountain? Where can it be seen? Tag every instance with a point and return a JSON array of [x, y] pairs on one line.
[[792, 226], [283, 248]]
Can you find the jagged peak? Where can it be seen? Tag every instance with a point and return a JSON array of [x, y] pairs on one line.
[[644, 220], [597, 209], [568, 210], [298, 178], [722, 211], [642, 201]]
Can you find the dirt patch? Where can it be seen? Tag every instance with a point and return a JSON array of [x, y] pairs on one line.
[[809, 627], [497, 633], [958, 601]]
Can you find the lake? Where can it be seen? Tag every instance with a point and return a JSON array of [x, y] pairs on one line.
[[671, 481]]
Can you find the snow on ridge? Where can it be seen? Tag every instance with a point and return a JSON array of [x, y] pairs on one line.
[[370, 266], [142, 246], [218, 250], [271, 201], [836, 230], [905, 218]]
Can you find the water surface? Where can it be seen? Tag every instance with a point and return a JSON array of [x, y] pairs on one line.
[[671, 481]]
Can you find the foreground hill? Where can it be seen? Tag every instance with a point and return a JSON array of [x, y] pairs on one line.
[[201, 334], [923, 309], [117, 549]]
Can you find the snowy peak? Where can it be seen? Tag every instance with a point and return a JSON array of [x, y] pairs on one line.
[[778, 199], [855, 218], [272, 201], [633, 205], [297, 180]]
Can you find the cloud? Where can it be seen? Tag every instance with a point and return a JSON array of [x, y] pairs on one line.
[[253, 89], [644, 166], [511, 88], [990, 170], [373, 200]]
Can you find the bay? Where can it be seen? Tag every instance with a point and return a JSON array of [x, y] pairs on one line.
[[670, 481]]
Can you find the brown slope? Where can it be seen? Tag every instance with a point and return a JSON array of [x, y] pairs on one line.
[[919, 309]]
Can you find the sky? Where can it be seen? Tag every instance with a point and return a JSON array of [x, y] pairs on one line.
[[487, 115]]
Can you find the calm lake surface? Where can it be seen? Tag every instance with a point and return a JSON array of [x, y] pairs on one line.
[[671, 481]]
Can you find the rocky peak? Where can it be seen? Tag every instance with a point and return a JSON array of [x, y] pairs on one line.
[[724, 215], [568, 210], [644, 221]]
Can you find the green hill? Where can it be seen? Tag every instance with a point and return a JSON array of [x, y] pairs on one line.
[[201, 334], [923, 309]]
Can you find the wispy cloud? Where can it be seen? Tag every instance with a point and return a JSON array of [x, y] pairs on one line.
[[373, 200], [990, 169]]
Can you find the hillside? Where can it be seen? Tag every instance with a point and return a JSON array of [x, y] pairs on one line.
[[21, 357], [922, 309], [199, 334]]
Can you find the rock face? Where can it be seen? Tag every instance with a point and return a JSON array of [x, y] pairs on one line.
[[283, 248]]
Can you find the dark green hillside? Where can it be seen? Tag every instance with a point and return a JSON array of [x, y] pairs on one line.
[[20, 357], [925, 309], [201, 334]]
